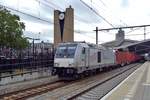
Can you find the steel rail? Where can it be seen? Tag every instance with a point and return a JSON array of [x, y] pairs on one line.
[[23, 94], [103, 82]]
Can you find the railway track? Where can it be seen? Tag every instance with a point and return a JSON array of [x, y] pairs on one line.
[[84, 89], [99, 90], [23, 94], [67, 90]]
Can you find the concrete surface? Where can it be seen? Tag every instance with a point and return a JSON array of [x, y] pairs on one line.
[[26, 84], [135, 87]]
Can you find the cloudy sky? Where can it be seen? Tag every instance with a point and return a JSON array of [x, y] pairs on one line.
[[38, 17]]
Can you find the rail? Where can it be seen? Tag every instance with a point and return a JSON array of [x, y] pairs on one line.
[[74, 96], [42, 89], [19, 95]]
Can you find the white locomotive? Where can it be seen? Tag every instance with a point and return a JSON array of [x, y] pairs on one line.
[[73, 60]]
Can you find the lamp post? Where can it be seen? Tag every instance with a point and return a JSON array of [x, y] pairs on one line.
[[42, 44], [33, 47]]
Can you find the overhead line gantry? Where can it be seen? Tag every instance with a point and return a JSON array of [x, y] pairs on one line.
[[115, 28]]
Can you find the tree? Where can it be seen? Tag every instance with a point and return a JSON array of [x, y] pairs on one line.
[[11, 30]]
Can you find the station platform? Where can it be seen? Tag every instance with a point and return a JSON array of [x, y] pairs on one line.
[[134, 87]]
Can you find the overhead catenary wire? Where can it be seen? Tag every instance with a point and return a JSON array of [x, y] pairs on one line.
[[52, 4], [103, 3], [134, 30], [38, 18], [77, 31], [137, 34], [90, 37], [17, 10], [97, 13], [133, 34], [78, 18], [126, 27]]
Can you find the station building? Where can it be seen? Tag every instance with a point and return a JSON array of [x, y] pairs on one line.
[[119, 40]]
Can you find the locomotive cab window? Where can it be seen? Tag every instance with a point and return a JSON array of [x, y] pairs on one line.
[[98, 57], [66, 51]]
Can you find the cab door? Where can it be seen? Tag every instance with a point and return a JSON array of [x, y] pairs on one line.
[[83, 57], [87, 57]]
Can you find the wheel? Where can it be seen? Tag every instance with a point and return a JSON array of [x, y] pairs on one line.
[[128, 63], [122, 64]]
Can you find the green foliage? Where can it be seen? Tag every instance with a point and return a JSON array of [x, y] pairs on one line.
[[11, 30]]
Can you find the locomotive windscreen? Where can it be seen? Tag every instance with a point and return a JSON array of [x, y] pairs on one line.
[[66, 51]]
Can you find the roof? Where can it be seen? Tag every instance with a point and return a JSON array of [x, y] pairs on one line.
[[133, 44], [140, 47], [113, 44]]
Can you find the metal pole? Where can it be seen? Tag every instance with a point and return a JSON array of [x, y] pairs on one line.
[[144, 33], [96, 35], [28, 51], [42, 54], [33, 49]]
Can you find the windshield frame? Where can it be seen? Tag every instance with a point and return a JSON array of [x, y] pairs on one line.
[[68, 51]]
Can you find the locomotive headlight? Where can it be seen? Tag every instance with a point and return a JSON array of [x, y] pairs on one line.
[[114, 51], [56, 64], [146, 54], [71, 65]]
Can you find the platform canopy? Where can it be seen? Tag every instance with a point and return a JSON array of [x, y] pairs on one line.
[[140, 47]]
